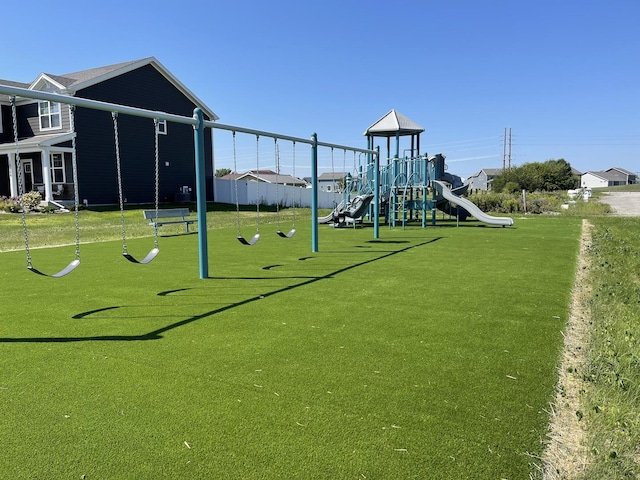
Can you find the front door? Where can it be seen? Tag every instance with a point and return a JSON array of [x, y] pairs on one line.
[[27, 174]]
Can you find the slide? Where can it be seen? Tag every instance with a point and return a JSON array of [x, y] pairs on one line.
[[354, 209], [470, 207]]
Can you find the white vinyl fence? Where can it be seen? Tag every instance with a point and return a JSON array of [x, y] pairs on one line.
[[270, 194]]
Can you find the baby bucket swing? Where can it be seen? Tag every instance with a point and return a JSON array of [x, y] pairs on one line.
[[76, 261], [155, 250]]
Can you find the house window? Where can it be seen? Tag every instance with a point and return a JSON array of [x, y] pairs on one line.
[[162, 127], [57, 168], [50, 117]]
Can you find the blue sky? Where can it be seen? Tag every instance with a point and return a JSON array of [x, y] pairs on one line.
[[563, 75]]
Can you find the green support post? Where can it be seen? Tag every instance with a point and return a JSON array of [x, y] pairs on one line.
[[201, 193]]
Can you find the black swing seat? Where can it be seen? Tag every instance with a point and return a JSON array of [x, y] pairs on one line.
[[150, 256], [291, 233], [66, 270], [253, 240]]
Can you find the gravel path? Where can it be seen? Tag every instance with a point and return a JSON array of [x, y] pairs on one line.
[[626, 204]]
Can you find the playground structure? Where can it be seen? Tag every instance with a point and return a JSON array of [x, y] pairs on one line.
[[411, 189], [407, 188]]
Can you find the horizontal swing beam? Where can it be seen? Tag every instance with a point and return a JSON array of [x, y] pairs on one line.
[[153, 114]]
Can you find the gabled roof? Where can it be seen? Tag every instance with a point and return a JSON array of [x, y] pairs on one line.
[[621, 170], [266, 176], [71, 83], [11, 83], [393, 123], [603, 175], [489, 172], [328, 176]]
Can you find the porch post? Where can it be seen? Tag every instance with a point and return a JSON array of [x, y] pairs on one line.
[[46, 173], [13, 175]]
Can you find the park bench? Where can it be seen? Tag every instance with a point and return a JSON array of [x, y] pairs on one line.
[[168, 216]]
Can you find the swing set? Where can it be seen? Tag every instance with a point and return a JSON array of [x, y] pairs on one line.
[[199, 124]]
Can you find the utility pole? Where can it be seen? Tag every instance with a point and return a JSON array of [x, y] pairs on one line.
[[509, 148], [504, 150]]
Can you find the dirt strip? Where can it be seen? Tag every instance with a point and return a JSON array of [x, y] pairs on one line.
[[565, 456]]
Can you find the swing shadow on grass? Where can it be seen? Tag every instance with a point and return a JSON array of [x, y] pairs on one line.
[[157, 334]]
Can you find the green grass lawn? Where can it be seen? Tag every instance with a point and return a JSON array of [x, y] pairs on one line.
[[427, 353]]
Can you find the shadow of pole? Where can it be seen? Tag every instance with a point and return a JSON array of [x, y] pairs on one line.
[[157, 334]]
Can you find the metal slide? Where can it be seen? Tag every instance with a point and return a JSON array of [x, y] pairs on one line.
[[470, 207]]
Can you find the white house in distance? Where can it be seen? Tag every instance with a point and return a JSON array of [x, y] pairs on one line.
[[607, 178]]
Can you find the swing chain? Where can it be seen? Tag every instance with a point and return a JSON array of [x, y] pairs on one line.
[[21, 192], [74, 166], [258, 184], [157, 180], [235, 182], [294, 176], [277, 161], [114, 116]]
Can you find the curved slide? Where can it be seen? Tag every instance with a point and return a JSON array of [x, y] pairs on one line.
[[471, 207], [354, 209]]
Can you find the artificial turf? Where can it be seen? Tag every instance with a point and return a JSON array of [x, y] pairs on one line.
[[426, 353]]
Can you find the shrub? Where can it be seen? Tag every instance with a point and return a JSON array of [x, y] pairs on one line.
[[31, 200], [537, 202], [9, 204]]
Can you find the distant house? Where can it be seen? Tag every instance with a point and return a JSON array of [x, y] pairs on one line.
[[482, 180], [266, 176], [332, 181], [607, 178], [45, 135]]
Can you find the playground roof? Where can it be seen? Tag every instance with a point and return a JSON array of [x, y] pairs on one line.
[[392, 124]]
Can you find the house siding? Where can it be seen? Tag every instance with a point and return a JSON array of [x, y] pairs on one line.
[[592, 181], [143, 88]]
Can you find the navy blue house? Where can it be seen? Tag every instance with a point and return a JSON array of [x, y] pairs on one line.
[[45, 137]]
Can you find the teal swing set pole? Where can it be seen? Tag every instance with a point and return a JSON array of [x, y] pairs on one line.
[[201, 193], [376, 194], [314, 193]]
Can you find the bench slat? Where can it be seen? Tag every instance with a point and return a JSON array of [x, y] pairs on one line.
[[155, 217], [166, 213]]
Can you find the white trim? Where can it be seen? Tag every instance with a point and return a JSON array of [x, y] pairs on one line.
[[162, 127], [49, 116], [55, 169], [37, 143]]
